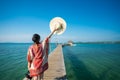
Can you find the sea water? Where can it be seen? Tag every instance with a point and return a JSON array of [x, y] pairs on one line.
[[82, 61], [13, 62], [92, 61]]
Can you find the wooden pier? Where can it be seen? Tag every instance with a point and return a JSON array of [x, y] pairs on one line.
[[56, 70]]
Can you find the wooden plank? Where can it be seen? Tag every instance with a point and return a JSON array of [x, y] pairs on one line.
[[56, 70]]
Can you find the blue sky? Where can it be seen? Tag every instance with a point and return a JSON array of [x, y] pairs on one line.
[[87, 20]]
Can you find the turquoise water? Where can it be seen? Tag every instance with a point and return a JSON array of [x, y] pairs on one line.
[[92, 61], [83, 61], [13, 63]]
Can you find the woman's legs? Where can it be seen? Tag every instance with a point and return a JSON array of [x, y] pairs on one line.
[[39, 77], [35, 78]]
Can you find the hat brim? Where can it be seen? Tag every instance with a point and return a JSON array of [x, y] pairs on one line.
[[55, 23]]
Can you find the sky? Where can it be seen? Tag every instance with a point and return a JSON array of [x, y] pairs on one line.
[[87, 20]]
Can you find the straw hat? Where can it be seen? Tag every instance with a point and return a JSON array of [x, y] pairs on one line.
[[56, 23]]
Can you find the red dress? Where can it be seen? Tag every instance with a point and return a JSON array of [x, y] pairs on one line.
[[38, 57]]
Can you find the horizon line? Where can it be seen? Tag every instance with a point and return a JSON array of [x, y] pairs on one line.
[[67, 41]]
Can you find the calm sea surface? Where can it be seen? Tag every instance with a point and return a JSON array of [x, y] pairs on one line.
[[92, 61], [83, 61], [13, 63]]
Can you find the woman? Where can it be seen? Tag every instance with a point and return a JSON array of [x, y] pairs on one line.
[[38, 56]]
